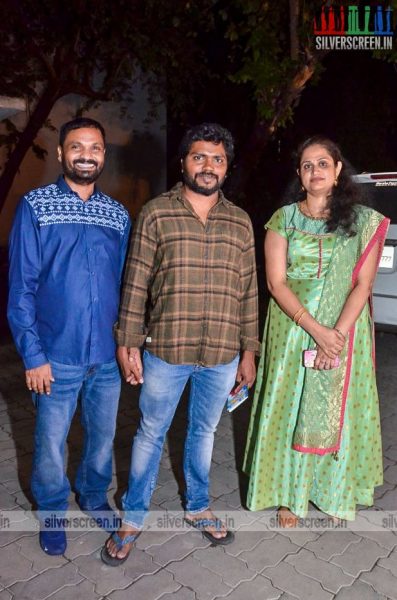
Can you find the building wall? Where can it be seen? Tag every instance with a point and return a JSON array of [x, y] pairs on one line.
[[135, 167]]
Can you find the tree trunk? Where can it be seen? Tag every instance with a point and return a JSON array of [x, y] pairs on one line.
[[38, 117]]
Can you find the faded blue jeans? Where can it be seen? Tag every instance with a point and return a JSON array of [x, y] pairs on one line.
[[160, 394], [98, 387]]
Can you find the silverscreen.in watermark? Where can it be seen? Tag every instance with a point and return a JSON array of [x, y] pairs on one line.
[[241, 521], [353, 27]]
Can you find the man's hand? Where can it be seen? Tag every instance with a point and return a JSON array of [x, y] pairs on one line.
[[39, 379], [130, 363], [246, 371]]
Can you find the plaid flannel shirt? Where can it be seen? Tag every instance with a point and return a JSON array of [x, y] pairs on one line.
[[190, 290]]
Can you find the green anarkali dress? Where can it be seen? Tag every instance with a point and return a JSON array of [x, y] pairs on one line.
[[278, 474]]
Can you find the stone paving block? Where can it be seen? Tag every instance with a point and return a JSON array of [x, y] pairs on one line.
[[105, 579], [164, 476], [286, 578], [390, 474], [173, 504], [176, 548], [383, 581], [9, 537], [298, 537], [29, 548], [225, 476], [220, 456], [225, 444], [247, 540], [205, 583], [152, 538], [14, 566], [359, 591], [4, 435], [148, 588], [82, 591], [382, 489], [391, 452], [22, 500], [5, 595], [233, 499], [13, 486], [218, 488], [360, 557], [47, 583], [166, 492], [390, 563], [231, 569], [387, 539], [8, 471], [332, 543], [138, 564], [7, 501], [86, 544], [259, 588], [268, 553], [182, 594], [331, 577]]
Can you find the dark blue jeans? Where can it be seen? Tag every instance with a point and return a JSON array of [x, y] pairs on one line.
[[98, 387]]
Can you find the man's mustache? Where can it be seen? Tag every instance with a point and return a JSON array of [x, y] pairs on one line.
[[207, 174]]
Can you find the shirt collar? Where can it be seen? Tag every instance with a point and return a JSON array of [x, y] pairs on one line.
[[66, 189]]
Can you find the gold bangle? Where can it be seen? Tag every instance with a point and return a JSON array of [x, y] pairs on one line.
[[299, 320], [298, 314]]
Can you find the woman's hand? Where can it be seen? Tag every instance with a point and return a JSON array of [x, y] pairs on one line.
[[322, 361], [330, 344]]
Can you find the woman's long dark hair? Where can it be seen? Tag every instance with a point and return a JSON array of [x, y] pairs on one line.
[[344, 196]]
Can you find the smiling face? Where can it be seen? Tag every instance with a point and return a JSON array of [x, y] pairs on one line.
[[318, 170], [204, 167], [82, 155]]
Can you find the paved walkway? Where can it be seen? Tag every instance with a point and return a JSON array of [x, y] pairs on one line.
[[177, 563]]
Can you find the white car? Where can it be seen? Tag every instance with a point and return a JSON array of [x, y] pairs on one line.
[[382, 191]]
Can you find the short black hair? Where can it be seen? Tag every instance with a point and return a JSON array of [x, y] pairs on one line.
[[79, 123], [208, 132]]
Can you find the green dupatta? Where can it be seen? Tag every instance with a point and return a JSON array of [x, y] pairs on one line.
[[321, 412]]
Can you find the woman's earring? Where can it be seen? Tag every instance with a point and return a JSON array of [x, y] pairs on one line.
[[335, 182], [302, 188]]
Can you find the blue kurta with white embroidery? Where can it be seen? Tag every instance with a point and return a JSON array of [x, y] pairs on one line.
[[66, 260]]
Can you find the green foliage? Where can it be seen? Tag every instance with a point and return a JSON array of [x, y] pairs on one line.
[[261, 44]]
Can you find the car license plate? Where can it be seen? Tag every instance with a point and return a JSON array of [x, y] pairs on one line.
[[387, 259]]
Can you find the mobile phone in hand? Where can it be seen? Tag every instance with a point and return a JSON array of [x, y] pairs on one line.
[[235, 399]]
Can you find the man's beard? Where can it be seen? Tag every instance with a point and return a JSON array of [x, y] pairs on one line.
[[192, 183], [82, 177]]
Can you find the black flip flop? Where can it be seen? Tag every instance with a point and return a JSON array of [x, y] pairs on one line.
[[113, 561], [201, 524]]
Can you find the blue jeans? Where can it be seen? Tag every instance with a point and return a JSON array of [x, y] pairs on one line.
[[161, 391], [98, 387]]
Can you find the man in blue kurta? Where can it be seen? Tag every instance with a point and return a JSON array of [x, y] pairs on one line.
[[67, 250]]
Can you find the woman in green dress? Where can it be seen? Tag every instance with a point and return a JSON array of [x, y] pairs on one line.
[[314, 433]]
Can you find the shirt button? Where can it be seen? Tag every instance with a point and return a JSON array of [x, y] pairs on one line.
[[92, 272]]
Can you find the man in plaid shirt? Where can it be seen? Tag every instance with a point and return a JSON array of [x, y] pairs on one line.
[[190, 300]]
